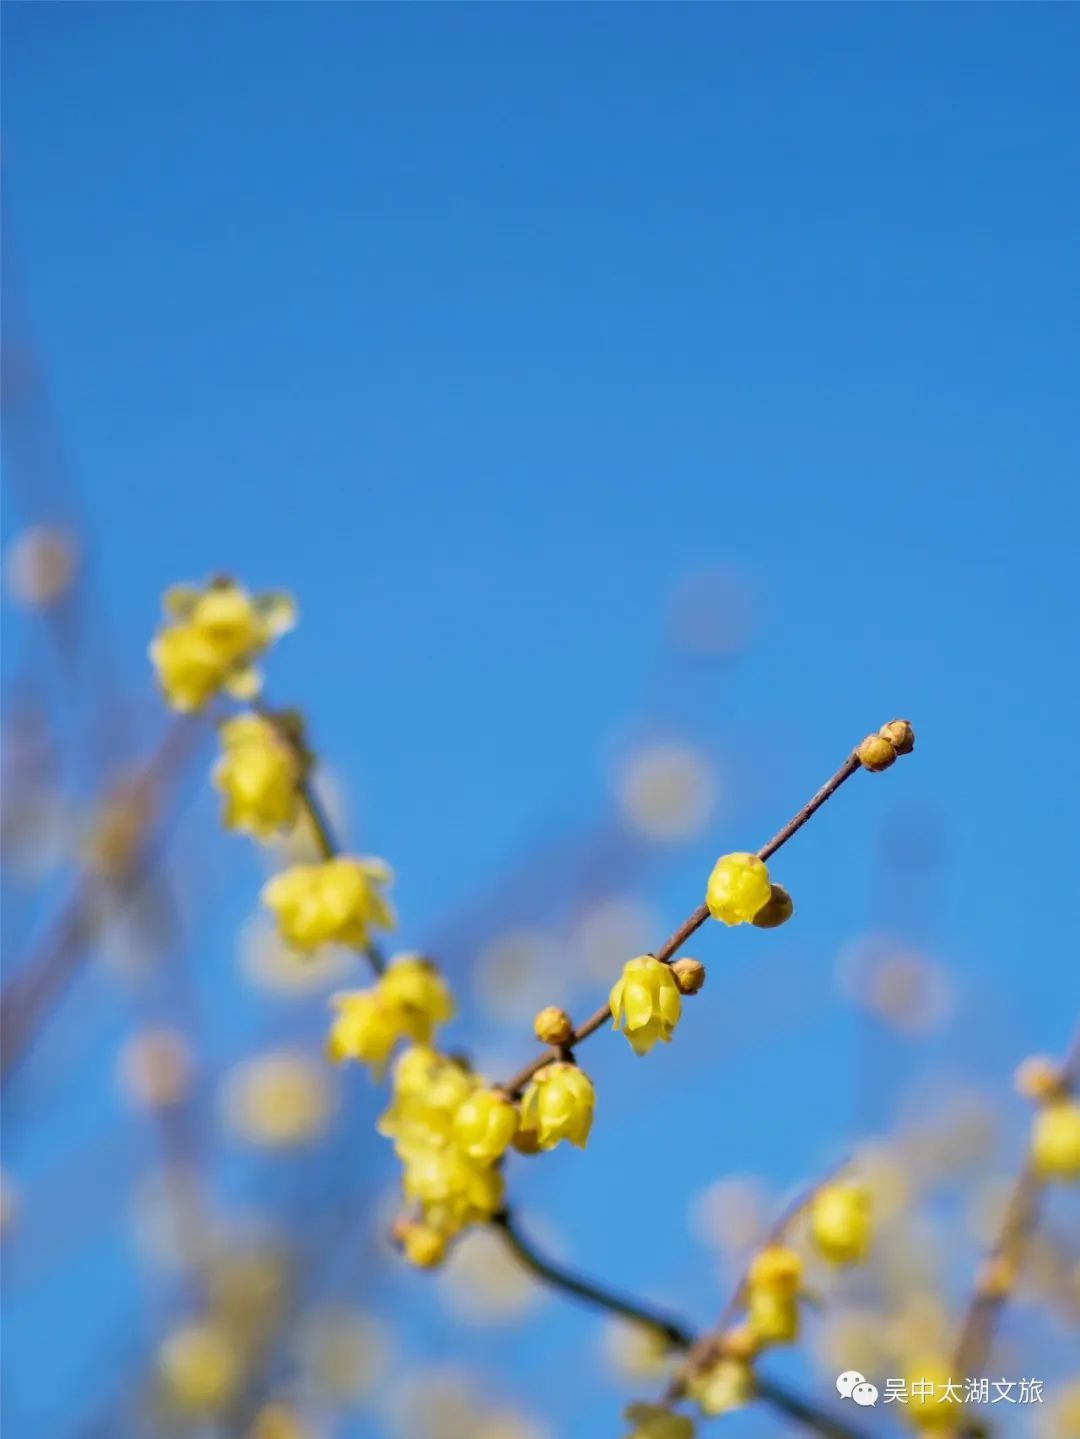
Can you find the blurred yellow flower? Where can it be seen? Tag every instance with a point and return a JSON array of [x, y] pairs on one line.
[[728, 1384], [772, 1300], [339, 901], [210, 638], [363, 1029], [426, 1092], [258, 774], [278, 1421], [278, 1100], [485, 1125], [840, 1222], [200, 1369], [558, 1104], [668, 791], [653, 1421], [635, 1351], [738, 888], [413, 987], [645, 1003], [342, 1352], [1055, 1140]]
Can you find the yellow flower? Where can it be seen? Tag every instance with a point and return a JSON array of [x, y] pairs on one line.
[[415, 989], [645, 1002], [772, 1306], [189, 668], [421, 1245], [210, 639], [199, 1368], [772, 1314], [776, 1267], [1055, 1140], [338, 901], [278, 1421], [738, 888], [558, 1104], [363, 1029], [728, 1384], [452, 1191], [932, 1404], [840, 1222], [485, 1125], [427, 1092], [653, 1421], [259, 775]]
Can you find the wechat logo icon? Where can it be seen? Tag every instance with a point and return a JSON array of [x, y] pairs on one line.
[[853, 1385]]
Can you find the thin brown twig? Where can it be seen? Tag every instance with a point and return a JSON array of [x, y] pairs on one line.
[[705, 1348], [669, 950], [674, 1332], [1018, 1223], [39, 981]]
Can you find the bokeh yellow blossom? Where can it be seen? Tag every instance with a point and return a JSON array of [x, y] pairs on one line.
[[840, 1222], [1055, 1140], [363, 1029], [738, 888], [414, 988], [653, 1421], [725, 1385], [200, 1369], [210, 638], [278, 1100], [339, 901], [645, 1002], [258, 775]]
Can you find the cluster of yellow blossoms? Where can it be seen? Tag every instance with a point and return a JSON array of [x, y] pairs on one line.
[[210, 639], [839, 1226]]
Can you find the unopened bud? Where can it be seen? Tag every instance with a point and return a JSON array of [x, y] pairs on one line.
[[423, 1246], [1039, 1079], [900, 735], [777, 911], [689, 975], [553, 1026], [525, 1141], [876, 753]]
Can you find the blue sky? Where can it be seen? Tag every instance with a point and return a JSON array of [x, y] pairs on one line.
[[482, 327]]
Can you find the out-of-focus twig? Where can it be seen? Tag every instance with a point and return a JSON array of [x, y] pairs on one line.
[[41, 978]]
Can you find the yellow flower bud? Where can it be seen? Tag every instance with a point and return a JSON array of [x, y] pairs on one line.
[[689, 975], [772, 1314], [338, 902], [1039, 1079], [900, 735], [739, 1343], [558, 1104], [840, 1222], [413, 986], [876, 753], [200, 1368], [653, 1421], [645, 1003], [553, 1025], [364, 1029], [1055, 1140], [738, 888], [725, 1385], [485, 1125], [778, 910], [259, 776], [421, 1245], [776, 1267]]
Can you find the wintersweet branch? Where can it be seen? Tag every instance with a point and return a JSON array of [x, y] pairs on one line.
[[999, 1268], [669, 950], [676, 1334]]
